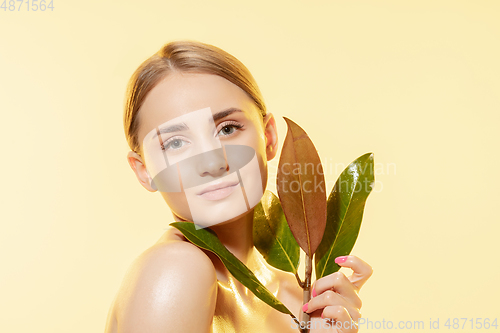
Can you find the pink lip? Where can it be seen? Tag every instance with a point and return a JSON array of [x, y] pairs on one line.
[[218, 191]]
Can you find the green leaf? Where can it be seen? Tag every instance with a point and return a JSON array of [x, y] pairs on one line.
[[301, 188], [344, 214], [272, 235], [208, 240]]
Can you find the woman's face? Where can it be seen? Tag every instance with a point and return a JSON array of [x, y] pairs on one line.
[[205, 146]]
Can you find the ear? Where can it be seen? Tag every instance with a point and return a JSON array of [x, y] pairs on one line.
[[137, 165], [271, 133]]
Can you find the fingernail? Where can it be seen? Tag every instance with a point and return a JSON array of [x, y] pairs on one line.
[[304, 307], [322, 315], [340, 260], [314, 292]]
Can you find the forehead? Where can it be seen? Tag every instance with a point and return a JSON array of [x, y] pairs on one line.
[[182, 93]]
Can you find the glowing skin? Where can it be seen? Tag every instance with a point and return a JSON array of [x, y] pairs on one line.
[[206, 152], [189, 155], [175, 286]]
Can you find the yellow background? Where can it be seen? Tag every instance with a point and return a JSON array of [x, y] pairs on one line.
[[415, 82]]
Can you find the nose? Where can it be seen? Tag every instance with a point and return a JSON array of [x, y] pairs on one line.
[[213, 163]]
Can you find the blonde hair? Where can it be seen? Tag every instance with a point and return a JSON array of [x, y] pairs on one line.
[[184, 56]]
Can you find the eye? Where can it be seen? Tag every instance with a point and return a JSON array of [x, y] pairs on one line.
[[229, 128], [174, 143]]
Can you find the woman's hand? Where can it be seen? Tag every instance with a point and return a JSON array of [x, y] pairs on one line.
[[335, 297]]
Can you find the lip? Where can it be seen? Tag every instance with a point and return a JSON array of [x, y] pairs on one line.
[[218, 191]]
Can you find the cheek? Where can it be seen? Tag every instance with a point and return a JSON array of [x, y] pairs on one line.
[[178, 203], [257, 141], [263, 171]]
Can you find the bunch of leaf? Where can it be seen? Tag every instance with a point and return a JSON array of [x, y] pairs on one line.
[[300, 219]]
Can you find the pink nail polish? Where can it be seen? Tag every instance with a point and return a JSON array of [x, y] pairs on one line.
[[304, 307], [314, 292], [341, 259]]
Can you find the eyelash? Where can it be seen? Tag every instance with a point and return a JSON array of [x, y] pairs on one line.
[[230, 123]]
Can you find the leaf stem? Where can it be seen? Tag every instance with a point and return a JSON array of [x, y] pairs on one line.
[[301, 283], [306, 295]]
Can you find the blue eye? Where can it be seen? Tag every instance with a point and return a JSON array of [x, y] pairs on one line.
[[173, 144]]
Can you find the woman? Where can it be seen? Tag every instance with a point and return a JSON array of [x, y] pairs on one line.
[[208, 172]]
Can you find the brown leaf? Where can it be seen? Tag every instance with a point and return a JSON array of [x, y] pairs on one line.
[[301, 188]]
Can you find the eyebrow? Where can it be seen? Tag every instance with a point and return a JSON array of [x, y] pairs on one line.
[[225, 113], [183, 127]]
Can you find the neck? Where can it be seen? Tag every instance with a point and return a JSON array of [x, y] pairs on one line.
[[237, 237]]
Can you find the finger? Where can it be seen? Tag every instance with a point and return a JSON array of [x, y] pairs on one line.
[[339, 283], [330, 298], [341, 318], [361, 270]]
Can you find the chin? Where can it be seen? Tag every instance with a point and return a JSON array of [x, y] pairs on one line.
[[234, 218]]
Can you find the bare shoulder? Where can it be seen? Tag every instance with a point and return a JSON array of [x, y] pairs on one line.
[[165, 287]]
